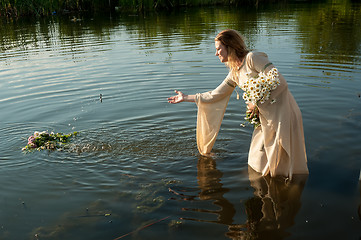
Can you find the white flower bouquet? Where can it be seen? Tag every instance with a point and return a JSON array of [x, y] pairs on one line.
[[258, 90]]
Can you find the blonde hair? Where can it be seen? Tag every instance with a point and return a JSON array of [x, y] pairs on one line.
[[236, 48]]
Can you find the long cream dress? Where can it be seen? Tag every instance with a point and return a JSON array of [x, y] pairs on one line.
[[278, 145]]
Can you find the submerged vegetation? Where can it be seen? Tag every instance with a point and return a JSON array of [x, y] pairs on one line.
[[15, 8]]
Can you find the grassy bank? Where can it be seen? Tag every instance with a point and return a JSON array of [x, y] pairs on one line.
[[16, 8]]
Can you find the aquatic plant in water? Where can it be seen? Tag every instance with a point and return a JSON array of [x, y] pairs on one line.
[[44, 140]]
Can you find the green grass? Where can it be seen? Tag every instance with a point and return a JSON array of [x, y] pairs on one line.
[[16, 8]]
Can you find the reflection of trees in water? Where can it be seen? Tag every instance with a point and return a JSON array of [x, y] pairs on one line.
[[270, 212], [332, 30], [189, 27], [329, 29], [59, 34]]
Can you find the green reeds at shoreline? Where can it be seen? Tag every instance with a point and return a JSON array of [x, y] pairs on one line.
[[170, 4], [16, 8]]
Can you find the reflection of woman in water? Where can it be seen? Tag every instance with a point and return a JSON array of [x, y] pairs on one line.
[[209, 181], [273, 208], [277, 146], [270, 212]]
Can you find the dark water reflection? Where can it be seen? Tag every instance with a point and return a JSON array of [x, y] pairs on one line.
[[270, 213], [273, 209], [331, 32], [134, 169]]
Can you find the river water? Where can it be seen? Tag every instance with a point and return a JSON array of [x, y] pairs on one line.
[[134, 171]]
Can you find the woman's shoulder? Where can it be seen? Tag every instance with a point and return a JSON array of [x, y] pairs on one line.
[[255, 54], [257, 60]]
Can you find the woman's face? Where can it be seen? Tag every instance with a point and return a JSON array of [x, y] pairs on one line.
[[221, 51]]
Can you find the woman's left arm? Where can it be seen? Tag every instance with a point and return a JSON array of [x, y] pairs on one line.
[[223, 90]]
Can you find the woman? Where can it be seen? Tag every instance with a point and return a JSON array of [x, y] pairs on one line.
[[277, 146]]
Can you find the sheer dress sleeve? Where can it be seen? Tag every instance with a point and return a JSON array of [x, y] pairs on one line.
[[211, 108]]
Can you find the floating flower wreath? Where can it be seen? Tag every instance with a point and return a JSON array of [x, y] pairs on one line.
[[44, 140], [258, 90]]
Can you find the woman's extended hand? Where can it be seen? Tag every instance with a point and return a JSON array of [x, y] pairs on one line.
[[177, 98]]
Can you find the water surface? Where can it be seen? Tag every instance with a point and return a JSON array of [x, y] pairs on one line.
[[134, 171]]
